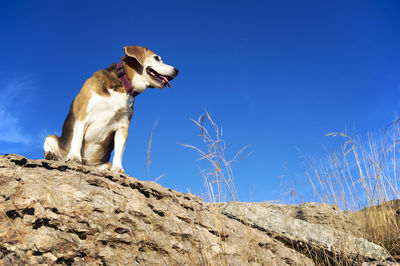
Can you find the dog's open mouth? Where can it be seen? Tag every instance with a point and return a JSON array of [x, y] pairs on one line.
[[158, 77]]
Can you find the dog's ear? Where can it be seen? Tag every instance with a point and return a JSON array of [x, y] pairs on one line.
[[137, 52]]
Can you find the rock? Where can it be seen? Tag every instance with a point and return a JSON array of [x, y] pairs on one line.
[[325, 214], [309, 228], [385, 263], [66, 213]]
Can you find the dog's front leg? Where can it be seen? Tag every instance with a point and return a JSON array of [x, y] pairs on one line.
[[77, 141], [120, 138]]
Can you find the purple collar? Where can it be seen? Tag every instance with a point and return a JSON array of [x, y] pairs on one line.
[[127, 85]]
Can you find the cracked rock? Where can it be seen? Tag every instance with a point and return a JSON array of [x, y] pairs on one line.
[[66, 213]]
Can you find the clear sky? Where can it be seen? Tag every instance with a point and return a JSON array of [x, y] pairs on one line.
[[277, 75]]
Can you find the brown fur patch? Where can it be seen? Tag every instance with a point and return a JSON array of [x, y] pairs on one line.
[[137, 52]]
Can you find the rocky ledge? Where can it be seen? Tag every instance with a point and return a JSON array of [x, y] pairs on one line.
[[65, 213]]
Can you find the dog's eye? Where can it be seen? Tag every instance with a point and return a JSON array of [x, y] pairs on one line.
[[157, 58]]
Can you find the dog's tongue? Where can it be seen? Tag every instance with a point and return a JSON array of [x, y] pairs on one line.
[[166, 80]]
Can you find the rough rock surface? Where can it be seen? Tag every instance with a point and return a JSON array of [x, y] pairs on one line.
[[64, 213], [325, 214], [319, 228]]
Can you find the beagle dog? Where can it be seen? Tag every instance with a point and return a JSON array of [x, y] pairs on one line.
[[99, 117]]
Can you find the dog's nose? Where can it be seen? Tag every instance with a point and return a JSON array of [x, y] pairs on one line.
[[176, 71]]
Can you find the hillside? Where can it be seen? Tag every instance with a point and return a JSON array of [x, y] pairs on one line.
[[66, 213]]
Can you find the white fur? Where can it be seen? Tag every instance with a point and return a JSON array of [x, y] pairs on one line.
[[106, 115], [76, 143], [158, 66], [51, 146], [139, 83], [119, 147]]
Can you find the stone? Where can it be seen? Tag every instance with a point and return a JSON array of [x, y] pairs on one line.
[[309, 228], [66, 213]]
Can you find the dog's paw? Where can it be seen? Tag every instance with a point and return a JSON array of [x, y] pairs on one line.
[[118, 169], [51, 156], [74, 158], [104, 166]]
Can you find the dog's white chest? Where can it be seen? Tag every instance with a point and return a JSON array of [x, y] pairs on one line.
[[106, 113]]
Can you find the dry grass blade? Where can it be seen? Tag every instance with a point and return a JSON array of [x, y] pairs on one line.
[[148, 161], [218, 176]]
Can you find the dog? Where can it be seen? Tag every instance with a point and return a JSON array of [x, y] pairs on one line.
[[99, 117]]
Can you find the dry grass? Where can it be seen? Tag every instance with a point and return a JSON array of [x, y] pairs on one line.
[[362, 175], [218, 175]]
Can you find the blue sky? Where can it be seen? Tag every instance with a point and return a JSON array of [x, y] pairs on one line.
[[276, 75]]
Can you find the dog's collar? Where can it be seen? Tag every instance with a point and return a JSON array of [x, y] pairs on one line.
[[127, 85]]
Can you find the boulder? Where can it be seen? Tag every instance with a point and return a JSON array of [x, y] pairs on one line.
[[322, 231], [65, 213]]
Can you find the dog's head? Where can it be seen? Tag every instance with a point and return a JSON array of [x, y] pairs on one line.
[[149, 69]]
